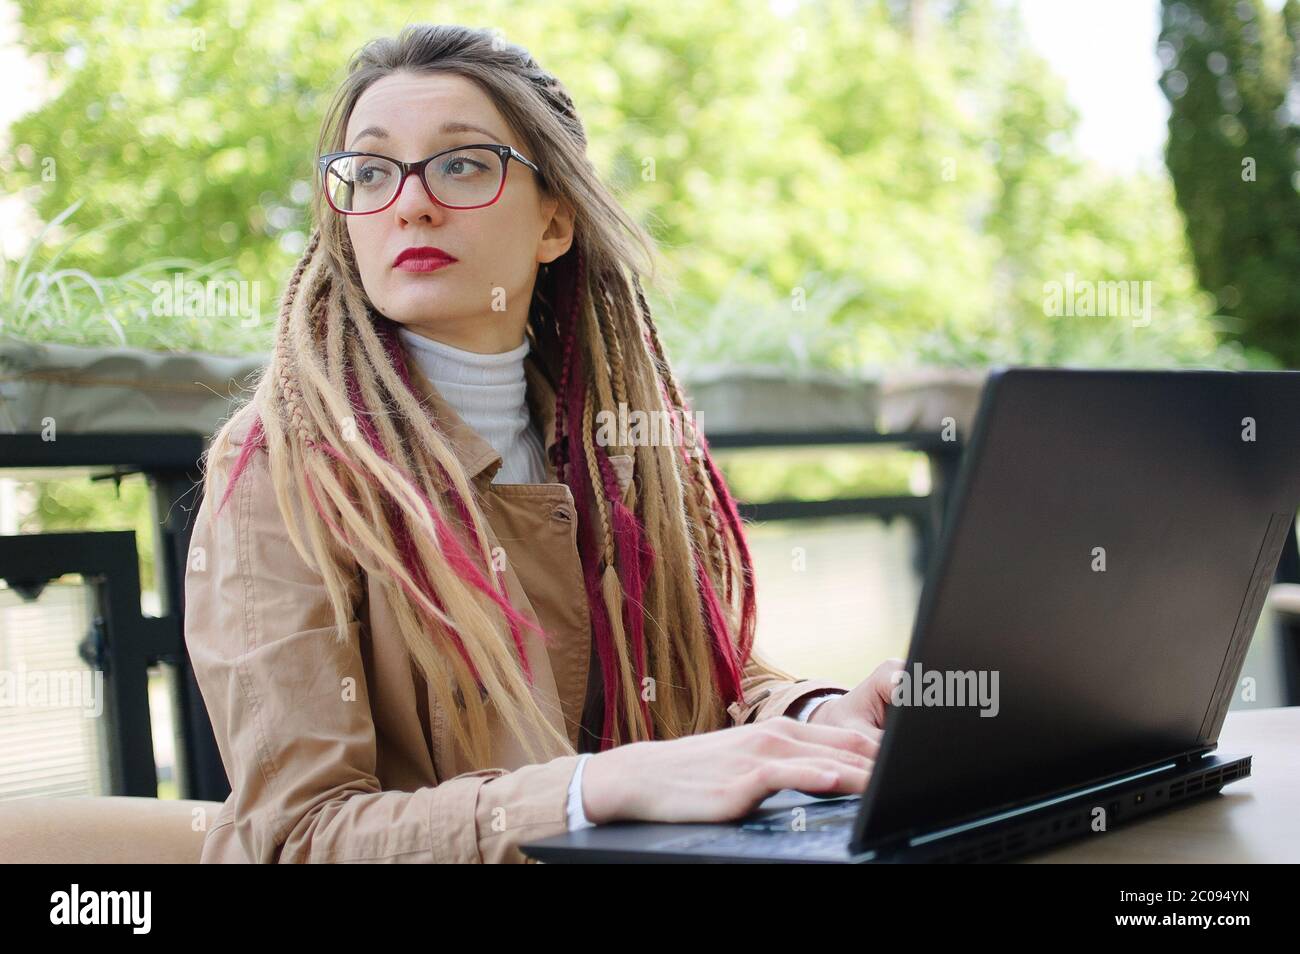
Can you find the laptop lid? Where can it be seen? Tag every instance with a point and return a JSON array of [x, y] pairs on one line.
[[1104, 561]]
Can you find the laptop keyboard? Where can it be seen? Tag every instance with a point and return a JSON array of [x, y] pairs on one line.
[[824, 833], [816, 817]]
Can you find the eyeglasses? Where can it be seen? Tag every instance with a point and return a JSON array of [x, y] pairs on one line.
[[466, 177]]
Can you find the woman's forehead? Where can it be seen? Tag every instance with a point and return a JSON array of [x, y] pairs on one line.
[[424, 106]]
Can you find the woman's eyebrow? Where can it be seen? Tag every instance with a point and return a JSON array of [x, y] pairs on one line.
[[452, 126]]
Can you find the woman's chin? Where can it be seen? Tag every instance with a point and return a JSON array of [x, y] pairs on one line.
[[418, 308]]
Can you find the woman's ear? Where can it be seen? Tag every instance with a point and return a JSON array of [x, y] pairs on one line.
[[557, 237]]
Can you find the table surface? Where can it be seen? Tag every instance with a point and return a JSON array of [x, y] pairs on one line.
[[1256, 819]]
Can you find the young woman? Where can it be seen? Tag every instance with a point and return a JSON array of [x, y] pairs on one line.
[[433, 613]]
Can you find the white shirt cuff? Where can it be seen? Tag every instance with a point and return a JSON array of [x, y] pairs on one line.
[[577, 817], [806, 710]]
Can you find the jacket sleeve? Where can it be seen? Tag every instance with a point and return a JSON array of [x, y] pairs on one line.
[[770, 692], [291, 713]]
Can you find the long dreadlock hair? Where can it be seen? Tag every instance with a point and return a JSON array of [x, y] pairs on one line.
[[345, 431]]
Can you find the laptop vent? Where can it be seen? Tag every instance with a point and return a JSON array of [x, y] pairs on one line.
[[1078, 820]]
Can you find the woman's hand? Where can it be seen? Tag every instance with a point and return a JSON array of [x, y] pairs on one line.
[[862, 708], [722, 775]]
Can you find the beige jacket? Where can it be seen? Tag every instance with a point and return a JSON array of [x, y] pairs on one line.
[[377, 779]]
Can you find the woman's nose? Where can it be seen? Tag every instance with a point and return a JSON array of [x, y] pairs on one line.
[[413, 202]]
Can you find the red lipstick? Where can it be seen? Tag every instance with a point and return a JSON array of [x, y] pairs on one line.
[[423, 258]]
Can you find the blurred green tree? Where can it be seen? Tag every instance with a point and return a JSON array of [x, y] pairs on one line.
[[1232, 77], [880, 180]]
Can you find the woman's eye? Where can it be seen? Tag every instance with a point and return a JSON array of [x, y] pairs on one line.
[[461, 165], [369, 176]]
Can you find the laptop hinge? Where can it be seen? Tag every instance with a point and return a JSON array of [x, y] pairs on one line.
[[1194, 757], [883, 846]]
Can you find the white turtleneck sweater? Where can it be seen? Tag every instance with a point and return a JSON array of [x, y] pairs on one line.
[[489, 392]]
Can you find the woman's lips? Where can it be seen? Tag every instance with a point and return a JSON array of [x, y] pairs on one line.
[[424, 259], [423, 264]]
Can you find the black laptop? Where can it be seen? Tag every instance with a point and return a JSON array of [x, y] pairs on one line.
[[1110, 541]]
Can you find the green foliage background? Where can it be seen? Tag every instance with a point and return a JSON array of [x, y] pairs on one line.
[[915, 187]]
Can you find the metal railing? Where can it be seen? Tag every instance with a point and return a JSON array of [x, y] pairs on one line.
[[128, 643], [125, 643]]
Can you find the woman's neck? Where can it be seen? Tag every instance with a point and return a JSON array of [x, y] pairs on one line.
[[474, 333]]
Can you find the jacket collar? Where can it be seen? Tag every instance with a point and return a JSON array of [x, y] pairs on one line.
[[478, 458]]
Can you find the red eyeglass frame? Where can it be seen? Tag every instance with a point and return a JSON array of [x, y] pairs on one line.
[[504, 153]]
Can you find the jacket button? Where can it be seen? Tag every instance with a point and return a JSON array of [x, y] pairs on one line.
[[561, 513]]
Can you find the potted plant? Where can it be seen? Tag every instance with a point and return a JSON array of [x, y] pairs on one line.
[[752, 363], [86, 354]]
